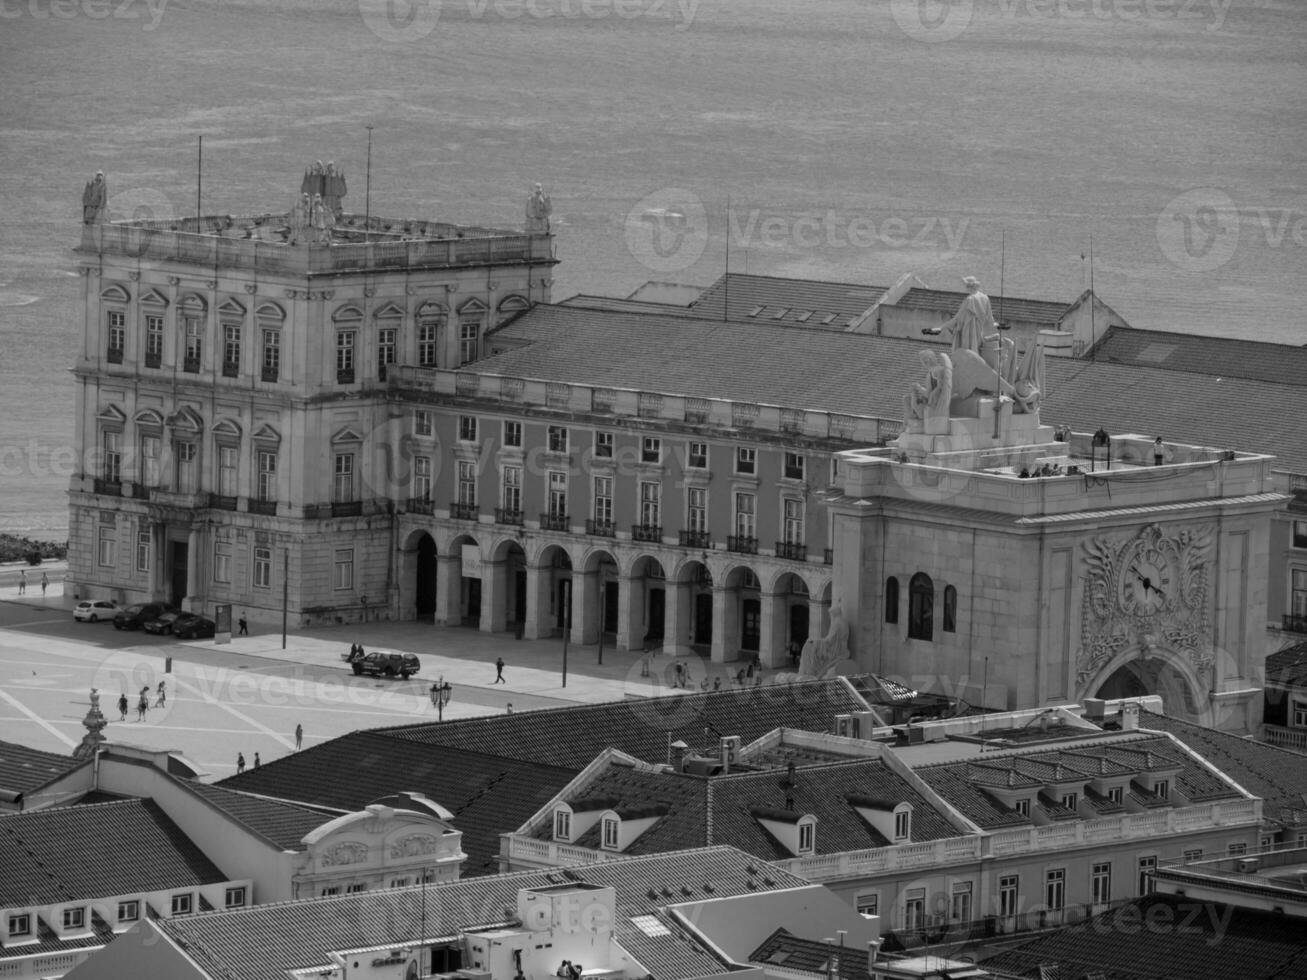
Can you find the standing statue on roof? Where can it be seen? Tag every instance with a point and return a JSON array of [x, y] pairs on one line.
[[333, 188], [301, 219], [323, 221], [981, 357], [538, 209], [314, 179], [95, 199]]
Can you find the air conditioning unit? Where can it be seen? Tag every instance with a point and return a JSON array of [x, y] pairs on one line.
[[867, 722], [730, 748], [1247, 865], [844, 726]]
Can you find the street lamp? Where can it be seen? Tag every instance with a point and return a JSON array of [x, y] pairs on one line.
[[441, 691]]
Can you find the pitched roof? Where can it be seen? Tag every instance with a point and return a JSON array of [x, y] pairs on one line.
[[1277, 775], [572, 737], [792, 302], [961, 783], [283, 824], [1219, 356], [619, 305], [723, 808], [789, 952], [1192, 941], [24, 769], [1010, 307], [1288, 667], [64, 853], [487, 794], [264, 941]]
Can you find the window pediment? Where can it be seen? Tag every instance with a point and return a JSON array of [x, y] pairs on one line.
[[270, 311], [347, 315], [194, 304], [473, 307], [231, 309], [186, 420], [154, 298], [115, 293], [431, 310], [389, 312], [266, 433], [512, 304], [346, 434], [228, 428], [112, 415], [148, 417]]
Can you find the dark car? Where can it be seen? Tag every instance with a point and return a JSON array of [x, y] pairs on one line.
[[164, 624], [379, 663], [138, 614], [189, 626]]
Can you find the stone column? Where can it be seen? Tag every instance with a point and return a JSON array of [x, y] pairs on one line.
[[192, 567], [587, 605], [494, 596], [539, 585], [725, 624], [774, 615], [818, 617], [449, 590], [630, 612], [680, 619]]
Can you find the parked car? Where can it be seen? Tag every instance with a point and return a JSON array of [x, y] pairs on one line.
[[379, 663], [94, 610], [189, 626], [164, 624], [138, 614]]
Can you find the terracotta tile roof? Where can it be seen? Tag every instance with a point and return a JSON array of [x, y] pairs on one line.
[[857, 374], [792, 302], [734, 801], [63, 853], [572, 737], [790, 952], [1010, 308], [1197, 942], [1288, 667], [1277, 775], [264, 941], [1226, 357], [284, 824], [487, 794], [48, 941], [961, 783], [23, 769], [618, 305]]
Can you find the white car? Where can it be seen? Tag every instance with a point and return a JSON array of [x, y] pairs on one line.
[[94, 610]]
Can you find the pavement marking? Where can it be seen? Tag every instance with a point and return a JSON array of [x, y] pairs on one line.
[[288, 742], [33, 716], [38, 622]]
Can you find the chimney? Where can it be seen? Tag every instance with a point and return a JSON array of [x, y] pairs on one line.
[[676, 754], [1130, 716]]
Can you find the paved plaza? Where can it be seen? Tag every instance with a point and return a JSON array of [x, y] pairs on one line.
[[248, 696]]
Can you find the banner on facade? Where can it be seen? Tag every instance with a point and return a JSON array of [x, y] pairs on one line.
[[222, 623], [471, 561]]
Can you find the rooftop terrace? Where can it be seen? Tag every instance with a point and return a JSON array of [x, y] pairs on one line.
[[260, 243]]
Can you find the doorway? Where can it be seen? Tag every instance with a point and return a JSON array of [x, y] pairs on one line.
[[180, 556], [751, 624]]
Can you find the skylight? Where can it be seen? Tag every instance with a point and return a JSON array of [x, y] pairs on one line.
[[650, 926]]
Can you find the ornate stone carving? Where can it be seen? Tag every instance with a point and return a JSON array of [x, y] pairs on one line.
[[369, 291], [349, 852], [134, 276], [289, 293], [251, 288], [451, 287], [174, 280], [95, 200], [1150, 589], [211, 283], [414, 845]]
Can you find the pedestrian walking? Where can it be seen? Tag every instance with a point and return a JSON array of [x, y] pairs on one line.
[[244, 626], [143, 705], [122, 706], [499, 671], [240, 762], [22, 581], [45, 582], [257, 763], [299, 737], [510, 708], [163, 695]]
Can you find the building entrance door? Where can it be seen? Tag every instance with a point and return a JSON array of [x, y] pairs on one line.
[[750, 624], [425, 584], [610, 607], [703, 618], [657, 614], [179, 558], [472, 588]]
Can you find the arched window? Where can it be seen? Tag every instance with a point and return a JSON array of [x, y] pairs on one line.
[[921, 607], [950, 609], [891, 600]]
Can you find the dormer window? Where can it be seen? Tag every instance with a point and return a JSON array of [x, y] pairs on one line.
[[1163, 788], [1023, 807], [20, 925], [1070, 800], [562, 825], [1116, 794], [903, 824], [181, 904], [611, 827], [129, 911], [807, 831], [75, 918]]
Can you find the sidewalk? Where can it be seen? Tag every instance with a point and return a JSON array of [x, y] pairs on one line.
[[462, 656]]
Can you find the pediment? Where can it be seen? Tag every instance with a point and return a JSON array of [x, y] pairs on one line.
[[227, 427], [186, 419], [154, 298], [389, 312], [148, 416], [472, 307], [270, 311], [347, 313], [432, 309], [112, 414], [266, 433], [346, 434], [511, 304], [193, 303], [115, 293], [230, 308]]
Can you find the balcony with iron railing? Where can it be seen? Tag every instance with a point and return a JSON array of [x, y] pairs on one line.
[[554, 522], [464, 512], [114, 355], [269, 374], [347, 508], [153, 360], [1294, 739], [828, 556], [1295, 624], [268, 508], [230, 369], [420, 505], [191, 365], [793, 550], [743, 544], [647, 532], [218, 501], [344, 376], [508, 515], [696, 539], [600, 529], [108, 488]]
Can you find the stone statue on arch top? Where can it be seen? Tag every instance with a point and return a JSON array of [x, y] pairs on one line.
[[95, 200], [333, 188], [979, 354], [822, 656], [926, 406], [538, 210]]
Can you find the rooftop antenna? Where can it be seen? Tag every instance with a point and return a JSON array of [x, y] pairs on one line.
[[998, 361], [1093, 333], [726, 281], [367, 193], [199, 175]]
